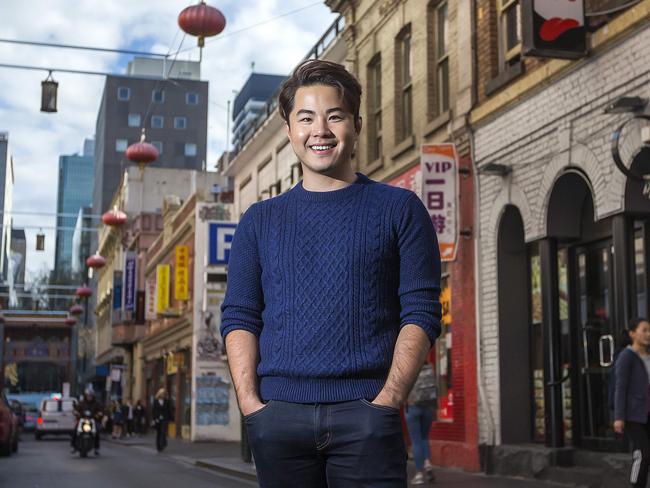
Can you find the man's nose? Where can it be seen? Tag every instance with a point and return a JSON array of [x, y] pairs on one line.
[[321, 127]]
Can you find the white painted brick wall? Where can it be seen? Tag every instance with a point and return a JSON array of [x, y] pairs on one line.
[[560, 125]]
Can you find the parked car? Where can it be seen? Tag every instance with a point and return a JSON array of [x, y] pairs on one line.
[[8, 428], [55, 416]]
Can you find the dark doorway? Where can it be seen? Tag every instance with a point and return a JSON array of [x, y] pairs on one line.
[[514, 336]]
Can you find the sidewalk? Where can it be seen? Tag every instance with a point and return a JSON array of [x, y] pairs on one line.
[[224, 457]]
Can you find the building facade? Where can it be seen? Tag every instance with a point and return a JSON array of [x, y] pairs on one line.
[[172, 107], [6, 202], [75, 186], [562, 255]]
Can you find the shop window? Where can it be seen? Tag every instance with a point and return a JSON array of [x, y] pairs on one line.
[[439, 53], [565, 346], [537, 349], [442, 357], [640, 274], [404, 84], [374, 109]]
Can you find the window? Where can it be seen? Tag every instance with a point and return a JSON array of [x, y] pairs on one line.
[[442, 58], [158, 96], [123, 93], [190, 149], [157, 121], [374, 110], [158, 145], [180, 123], [121, 145], [404, 71], [192, 98], [509, 32], [134, 120]]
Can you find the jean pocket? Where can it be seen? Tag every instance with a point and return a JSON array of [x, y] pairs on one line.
[[381, 408], [258, 412]]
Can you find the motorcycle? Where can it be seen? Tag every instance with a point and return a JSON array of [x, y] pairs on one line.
[[86, 432]]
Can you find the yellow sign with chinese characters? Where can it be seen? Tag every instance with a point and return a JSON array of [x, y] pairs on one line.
[[162, 288], [445, 301], [182, 273]]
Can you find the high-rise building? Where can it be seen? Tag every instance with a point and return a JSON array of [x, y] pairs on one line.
[[6, 198], [75, 190], [169, 102], [250, 102]]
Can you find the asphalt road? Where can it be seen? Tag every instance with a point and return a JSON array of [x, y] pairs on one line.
[[48, 464]]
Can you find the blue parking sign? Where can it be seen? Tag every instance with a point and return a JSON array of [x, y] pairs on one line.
[[220, 235]]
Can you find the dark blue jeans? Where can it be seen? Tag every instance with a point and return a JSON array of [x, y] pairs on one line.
[[335, 445], [418, 421]]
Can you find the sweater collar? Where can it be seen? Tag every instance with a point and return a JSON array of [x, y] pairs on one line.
[[333, 195]]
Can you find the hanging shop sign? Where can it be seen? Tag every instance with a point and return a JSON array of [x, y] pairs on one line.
[[130, 265], [554, 28], [117, 290], [150, 299], [182, 273], [220, 236], [162, 288], [439, 166]]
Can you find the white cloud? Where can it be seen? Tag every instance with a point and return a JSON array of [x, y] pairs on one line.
[[37, 139]]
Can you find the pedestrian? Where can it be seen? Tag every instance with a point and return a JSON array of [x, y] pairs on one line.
[[161, 414], [334, 286], [420, 409], [139, 416], [118, 420], [127, 410], [631, 398]]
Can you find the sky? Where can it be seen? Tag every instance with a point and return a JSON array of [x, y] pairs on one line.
[[37, 139]]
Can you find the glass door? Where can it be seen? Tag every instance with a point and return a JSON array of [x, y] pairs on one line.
[[595, 341]]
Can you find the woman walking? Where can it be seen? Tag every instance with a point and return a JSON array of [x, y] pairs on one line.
[[161, 414], [420, 406], [631, 398]]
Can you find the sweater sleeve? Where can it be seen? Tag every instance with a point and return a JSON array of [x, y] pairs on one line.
[[419, 269], [244, 302], [623, 368]]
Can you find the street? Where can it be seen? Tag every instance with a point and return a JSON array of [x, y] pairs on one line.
[[48, 463]]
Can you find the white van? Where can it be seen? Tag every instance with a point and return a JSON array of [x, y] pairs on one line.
[[56, 416]]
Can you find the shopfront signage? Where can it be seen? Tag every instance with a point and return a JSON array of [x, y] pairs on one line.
[[150, 298], [182, 273], [439, 166], [130, 264], [220, 236], [554, 28], [162, 288]]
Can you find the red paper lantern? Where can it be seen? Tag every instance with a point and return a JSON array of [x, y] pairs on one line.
[[70, 321], [76, 310], [114, 217], [202, 21], [84, 292], [96, 261], [142, 152]]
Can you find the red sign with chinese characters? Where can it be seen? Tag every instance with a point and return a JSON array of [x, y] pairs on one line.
[[439, 167]]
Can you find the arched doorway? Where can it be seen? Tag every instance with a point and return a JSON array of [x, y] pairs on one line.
[[514, 360]]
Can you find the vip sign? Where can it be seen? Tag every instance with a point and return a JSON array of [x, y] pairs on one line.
[[439, 164], [554, 28], [220, 236], [182, 273]]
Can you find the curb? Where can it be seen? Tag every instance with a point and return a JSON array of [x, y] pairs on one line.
[[225, 470]]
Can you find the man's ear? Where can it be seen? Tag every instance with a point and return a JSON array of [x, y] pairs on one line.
[[358, 124], [286, 125]]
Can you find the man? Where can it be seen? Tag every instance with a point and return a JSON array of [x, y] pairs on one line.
[[332, 303], [88, 403]]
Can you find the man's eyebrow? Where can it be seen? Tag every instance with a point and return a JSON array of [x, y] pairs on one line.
[[311, 112]]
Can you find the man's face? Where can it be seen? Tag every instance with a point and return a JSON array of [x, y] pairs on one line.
[[322, 130]]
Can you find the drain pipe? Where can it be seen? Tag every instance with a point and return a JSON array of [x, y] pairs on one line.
[[478, 298]]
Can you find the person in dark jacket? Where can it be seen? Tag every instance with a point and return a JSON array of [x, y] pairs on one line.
[[632, 398], [88, 403], [139, 416], [161, 414]]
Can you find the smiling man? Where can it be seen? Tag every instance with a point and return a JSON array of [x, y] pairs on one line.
[[332, 303]]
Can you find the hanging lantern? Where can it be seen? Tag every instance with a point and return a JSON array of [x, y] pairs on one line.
[[114, 217], [84, 292], [49, 89], [96, 261], [201, 21], [70, 321], [76, 309], [40, 241], [142, 152]]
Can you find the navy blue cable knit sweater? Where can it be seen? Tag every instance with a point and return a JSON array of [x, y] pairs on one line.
[[326, 280]]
